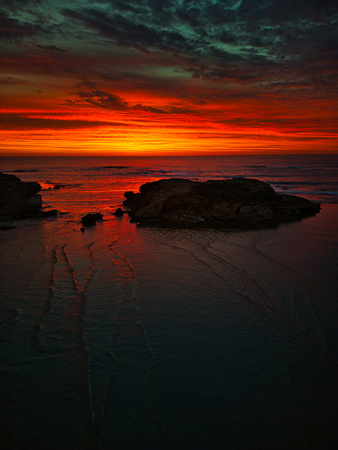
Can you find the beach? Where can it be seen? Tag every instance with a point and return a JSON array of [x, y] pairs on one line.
[[132, 337]]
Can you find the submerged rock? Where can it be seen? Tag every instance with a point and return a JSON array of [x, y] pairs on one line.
[[233, 203], [51, 213], [118, 213], [90, 219], [19, 199], [7, 227]]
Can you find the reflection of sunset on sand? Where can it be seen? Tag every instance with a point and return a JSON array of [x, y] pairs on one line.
[[145, 335]]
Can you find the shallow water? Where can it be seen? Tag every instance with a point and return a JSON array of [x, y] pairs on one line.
[[124, 337]]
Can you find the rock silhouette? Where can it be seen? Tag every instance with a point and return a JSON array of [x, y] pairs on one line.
[[19, 199], [233, 203], [90, 219]]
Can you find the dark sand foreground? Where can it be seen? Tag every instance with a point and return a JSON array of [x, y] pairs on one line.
[[129, 337]]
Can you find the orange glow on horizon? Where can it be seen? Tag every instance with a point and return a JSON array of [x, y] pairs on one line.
[[156, 141], [144, 127]]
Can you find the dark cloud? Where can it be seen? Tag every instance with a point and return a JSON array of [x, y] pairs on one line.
[[130, 32], [14, 30], [223, 33], [50, 48], [150, 11], [284, 123], [106, 100], [276, 12], [166, 109], [14, 4], [101, 99], [13, 81], [22, 122], [230, 37]]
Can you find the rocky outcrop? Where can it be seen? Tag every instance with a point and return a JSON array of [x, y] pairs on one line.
[[233, 203], [18, 199]]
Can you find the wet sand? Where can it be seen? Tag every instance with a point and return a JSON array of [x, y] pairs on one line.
[[127, 337]]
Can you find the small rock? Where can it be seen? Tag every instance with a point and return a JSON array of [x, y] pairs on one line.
[[51, 213], [7, 227], [90, 219], [119, 212]]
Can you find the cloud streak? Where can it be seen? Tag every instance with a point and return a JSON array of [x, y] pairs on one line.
[[22, 122]]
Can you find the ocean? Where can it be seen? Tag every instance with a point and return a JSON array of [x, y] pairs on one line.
[[129, 337]]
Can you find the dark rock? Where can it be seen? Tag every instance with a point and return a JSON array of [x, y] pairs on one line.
[[51, 213], [61, 186], [90, 219], [18, 199], [239, 203], [7, 227], [129, 195], [119, 212], [82, 229]]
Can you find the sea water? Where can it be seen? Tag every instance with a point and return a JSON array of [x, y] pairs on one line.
[[103, 180], [148, 338]]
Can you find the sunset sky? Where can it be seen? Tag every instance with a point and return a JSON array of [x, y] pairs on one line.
[[152, 76]]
